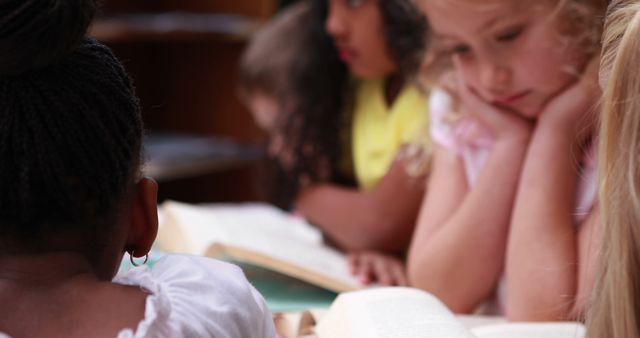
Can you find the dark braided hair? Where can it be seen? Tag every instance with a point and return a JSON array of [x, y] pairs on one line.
[[70, 126], [36, 33], [322, 92]]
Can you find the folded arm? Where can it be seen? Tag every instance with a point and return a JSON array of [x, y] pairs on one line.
[[459, 246]]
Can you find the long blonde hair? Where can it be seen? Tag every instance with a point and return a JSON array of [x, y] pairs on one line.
[[616, 304]]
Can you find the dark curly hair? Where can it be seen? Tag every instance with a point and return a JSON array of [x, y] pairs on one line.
[[70, 125], [312, 129], [406, 30], [321, 86]]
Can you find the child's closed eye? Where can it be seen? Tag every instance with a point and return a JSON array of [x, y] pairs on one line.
[[459, 50], [355, 3], [510, 34]]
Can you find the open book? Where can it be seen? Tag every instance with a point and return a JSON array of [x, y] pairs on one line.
[[412, 313], [258, 234]]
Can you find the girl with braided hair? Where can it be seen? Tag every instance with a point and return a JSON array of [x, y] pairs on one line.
[[331, 81], [73, 201]]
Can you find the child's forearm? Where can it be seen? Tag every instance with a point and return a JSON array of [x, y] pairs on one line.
[[343, 214], [382, 219], [459, 257], [542, 253]]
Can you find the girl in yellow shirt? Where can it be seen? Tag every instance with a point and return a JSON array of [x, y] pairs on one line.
[[340, 106]]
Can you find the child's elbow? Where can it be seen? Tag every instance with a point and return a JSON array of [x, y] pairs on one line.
[[423, 277], [418, 270]]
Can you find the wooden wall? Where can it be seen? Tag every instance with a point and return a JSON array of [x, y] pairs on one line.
[[186, 81]]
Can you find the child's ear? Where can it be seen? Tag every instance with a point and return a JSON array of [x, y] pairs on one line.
[[144, 218]]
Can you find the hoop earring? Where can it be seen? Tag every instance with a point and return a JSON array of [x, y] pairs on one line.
[[133, 262]]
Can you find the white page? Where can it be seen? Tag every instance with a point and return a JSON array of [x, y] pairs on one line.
[[269, 217], [401, 313], [473, 320], [263, 229], [531, 330]]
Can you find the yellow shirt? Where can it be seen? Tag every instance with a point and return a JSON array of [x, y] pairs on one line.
[[378, 131]]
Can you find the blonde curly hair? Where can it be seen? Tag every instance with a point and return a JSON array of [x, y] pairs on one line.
[[576, 24]]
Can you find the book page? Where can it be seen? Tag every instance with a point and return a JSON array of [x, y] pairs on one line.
[[474, 320], [262, 229], [391, 313], [531, 330]]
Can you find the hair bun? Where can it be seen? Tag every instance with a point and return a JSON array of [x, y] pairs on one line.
[[36, 33]]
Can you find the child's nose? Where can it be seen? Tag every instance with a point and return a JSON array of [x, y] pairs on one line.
[[335, 23], [495, 78]]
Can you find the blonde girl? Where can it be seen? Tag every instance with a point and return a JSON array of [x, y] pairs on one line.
[[510, 207], [616, 307]]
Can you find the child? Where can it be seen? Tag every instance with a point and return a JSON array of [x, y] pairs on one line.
[[72, 200], [615, 309], [319, 114], [513, 186], [279, 77]]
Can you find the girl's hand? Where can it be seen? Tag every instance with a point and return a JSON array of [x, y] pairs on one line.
[[373, 267], [504, 124], [573, 111]]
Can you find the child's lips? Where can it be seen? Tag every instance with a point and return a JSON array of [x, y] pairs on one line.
[[510, 99], [346, 54]]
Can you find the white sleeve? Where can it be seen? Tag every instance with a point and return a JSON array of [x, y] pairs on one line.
[[199, 297], [442, 132]]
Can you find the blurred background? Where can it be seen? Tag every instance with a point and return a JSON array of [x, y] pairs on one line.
[[202, 144]]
